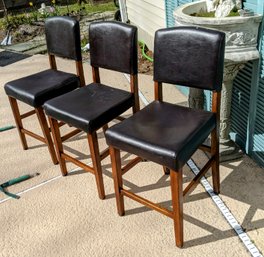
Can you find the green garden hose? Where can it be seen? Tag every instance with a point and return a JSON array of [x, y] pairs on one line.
[[143, 51], [6, 128], [15, 181]]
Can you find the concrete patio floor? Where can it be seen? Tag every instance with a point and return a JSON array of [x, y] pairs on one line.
[[63, 216]]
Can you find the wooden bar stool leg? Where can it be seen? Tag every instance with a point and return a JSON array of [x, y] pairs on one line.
[[105, 127], [95, 154], [46, 132], [177, 205], [215, 165], [117, 176], [166, 170], [16, 113], [55, 129]]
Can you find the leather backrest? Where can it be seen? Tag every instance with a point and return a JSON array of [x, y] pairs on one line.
[[113, 45], [63, 37], [189, 56]]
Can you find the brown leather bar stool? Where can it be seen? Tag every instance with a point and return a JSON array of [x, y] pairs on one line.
[[113, 46], [169, 134], [63, 40]]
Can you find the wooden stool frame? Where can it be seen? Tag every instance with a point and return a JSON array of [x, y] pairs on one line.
[[177, 191], [96, 155], [46, 138]]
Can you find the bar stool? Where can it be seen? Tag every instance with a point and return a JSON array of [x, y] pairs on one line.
[[113, 46], [63, 40], [169, 134]]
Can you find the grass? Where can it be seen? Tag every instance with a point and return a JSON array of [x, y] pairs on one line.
[[31, 14], [212, 14], [88, 8]]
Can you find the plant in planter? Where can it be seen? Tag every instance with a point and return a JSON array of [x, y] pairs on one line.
[[241, 41], [223, 8]]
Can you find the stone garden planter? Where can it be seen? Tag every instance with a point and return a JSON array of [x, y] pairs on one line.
[[241, 42]]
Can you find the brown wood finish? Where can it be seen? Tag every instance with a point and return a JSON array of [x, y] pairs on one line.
[[105, 127], [147, 203], [216, 101], [177, 205], [205, 148], [104, 153], [117, 176], [19, 124], [96, 75], [80, 73], [95, 154], [30, 133], [158, 91], [43, 124], [215, 164], [27, 114], [191, 186], [134, 90], [131, 164], [52, 62], [78, 163], [120, 118], [61, 123], [215, 142], [176, 190], [55, 129], [46, 132], [166, 170], [70, 134]]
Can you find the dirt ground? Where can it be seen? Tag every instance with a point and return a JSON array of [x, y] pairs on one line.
[[144, 65]]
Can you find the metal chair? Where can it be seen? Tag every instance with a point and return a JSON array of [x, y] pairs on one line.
[[63, 40], [113, 45], [169, 134]]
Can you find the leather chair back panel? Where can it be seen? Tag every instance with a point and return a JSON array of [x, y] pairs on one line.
[[108, 46], [172, 46], [66, 28]]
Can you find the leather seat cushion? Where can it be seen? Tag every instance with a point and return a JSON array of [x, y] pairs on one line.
[[36, 89], [163, 133], [90, 107]]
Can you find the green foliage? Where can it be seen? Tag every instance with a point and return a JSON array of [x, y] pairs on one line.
[[212, 14], [13, 21], [233, 13], [204, 14], [32, 14], [84, 9], [84, 41]]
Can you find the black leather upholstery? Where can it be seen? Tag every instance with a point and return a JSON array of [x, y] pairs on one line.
[[40, 87], [89, 107], [113, 45], [163, 133], [195, 53], [63, 37], [166, 133]]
